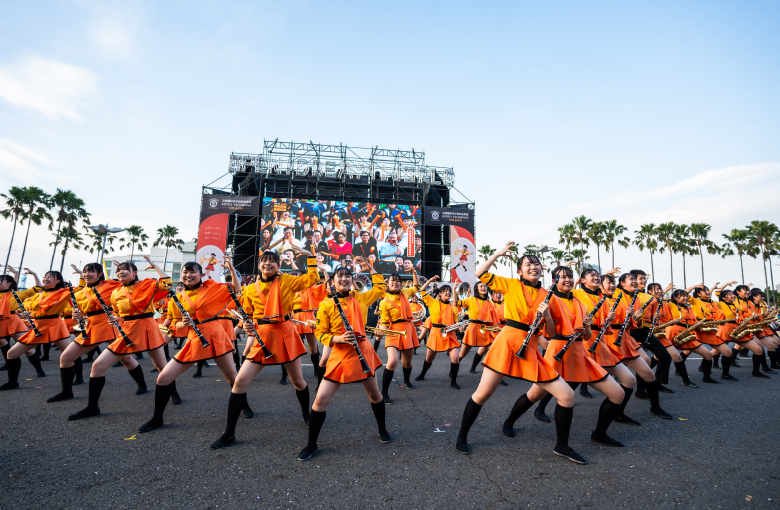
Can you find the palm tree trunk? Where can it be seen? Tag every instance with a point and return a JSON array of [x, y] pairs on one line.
[[132, 250], [56, 242], [613, 254], [685, 281], [702, 264], [65, 248], [8, 257], [598, 257], [29, 223], [742, 269], [763, 260], [652, 269], [671, 264], [772, 277], [165, 261]]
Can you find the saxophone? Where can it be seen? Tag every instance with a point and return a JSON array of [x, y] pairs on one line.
[[712, 326], [689, 333], [658, 330]]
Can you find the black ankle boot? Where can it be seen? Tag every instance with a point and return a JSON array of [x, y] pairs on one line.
[[316, 421], [138, 376], [66, 381], [470, 414], [161, 396], [407, 374], [425, 368], [14, 367], [454, 367], [95, 389], [35, 361], [4, 349], [387, 378], [379, 414], [235, 405]]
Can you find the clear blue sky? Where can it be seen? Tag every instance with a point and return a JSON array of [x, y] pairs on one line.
[[662, 111]]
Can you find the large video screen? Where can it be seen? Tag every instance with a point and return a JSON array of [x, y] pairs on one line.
[[387, 235]]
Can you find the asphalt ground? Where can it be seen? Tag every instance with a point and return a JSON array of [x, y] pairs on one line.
[[720, 451]]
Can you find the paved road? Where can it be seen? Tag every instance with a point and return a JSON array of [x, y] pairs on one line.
[[722, 451]]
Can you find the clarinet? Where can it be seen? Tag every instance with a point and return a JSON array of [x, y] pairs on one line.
[[655, 319], [348, 327], [172, 294], [604, 328], [537, 321], [628, 318], [249, 324], [110, 315], [21, 307], [558, 357], [75, 305]]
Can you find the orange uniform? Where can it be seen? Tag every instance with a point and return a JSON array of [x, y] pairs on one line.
[[687, 319], [134, 303], [628, 346], [395, 312], [442, 315], [481, 313], [46, 309], [605, 355], [10, 323], [521, 300], [710, 311], [98, 328], [306, 304], [204, 305]]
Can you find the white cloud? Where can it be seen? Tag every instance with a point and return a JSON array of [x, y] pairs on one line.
[[113, 26], [55, 89], [19, 163]]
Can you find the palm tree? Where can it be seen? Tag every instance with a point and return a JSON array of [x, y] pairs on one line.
[[14, 202], [580, 226], [700, 231], [667, 234], [558, 256], [166, 236], [684, 246], [72, 237], [612, 230], [762, 234], [740, 240], [567, 234], [581, 256], [36, 202], [68, 205], [95, 242], [137, 237], [646, 238], [596, 233], [773, 248]]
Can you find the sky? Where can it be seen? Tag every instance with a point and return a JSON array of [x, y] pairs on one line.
[[640, 112]]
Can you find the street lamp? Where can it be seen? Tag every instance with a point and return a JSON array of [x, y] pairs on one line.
[[105, 230]]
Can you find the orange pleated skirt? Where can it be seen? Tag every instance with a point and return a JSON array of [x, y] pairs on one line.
[[708, 337], [303, 317], [428, 323], [281, 339], [724, 332], [575, 366], [767, 331], [11, 325], [402, 343], [193, 350], [531, 367], [628, 346], [69, 323], [98, 331], [227, 325], [605, 355], [671, 334], [144, 333], [440, 343], [475, 338], [344, 366], [51, 331]]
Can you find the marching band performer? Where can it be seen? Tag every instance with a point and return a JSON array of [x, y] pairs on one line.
[[443, 314], [203, 301], [347, 342], [482, 314], [524, 298], [395, 313], [735, 307], [680, 309], [305, 306], [43, 310], [766, 336], [133, 302], [11, 326], [270, 302], [703, 307]]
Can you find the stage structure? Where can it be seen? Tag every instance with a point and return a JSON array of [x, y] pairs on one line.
[[302, 172]]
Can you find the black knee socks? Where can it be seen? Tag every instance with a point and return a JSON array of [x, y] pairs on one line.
[[376, 345], [236, 404], [607, 412], [715, 360], [78, 369], [706, 366], [379, 414], [35, 361], [563, 416], [757, 363], [95, 389], [652, 394], [426, 366], [315, 362], [772, 358], [162, 394], [199, 370], [66, 379], [475, 362], [387, 378], [763, 360], [653, 362], [236, 356], [407, 374], [14, 367], [4, 349], [303, 399], [684, 356], [284, 374], [320, 375], [726, 365], [521, 406], [470, 414], [454, 367], [543, 404], [680, 366], [626, 397], [315, 425], [167, 353], [138, 376], [46, 349]]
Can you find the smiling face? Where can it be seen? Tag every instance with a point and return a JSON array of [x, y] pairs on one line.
[[343, 281], [608, 286], [727, 296], [268, 265], [530, 269], [641, 281], [191, 277], [394, 283], [629, 284], [591, 280], [445, 294], [681, 299], [566, 282], [90, 275], [50, 281]]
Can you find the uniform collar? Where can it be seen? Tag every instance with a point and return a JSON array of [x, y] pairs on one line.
[[537, 285], [591, 292], [562, 295]]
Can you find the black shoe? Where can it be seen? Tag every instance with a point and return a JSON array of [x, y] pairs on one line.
[[175, 399], [222, 441], [661, 414], [284, 382], [664, 389], [768, 371], [197, 375], [463, 448], [584, 393], [59, 397], [690, 384], [150, 425], [755, 374], [117, 364], [78, 381], [41, 374], [84, 413], [472, 371], [454, 385], [710, 381], [641, 395], [734, 363], [4, 368], [420, 378], [9, 386], [605, 440], [542, 417], [729, 377], [387, 399], [247, 412], [153, 371], [141, 390], [44, 358], [567, 453], [503, 383], [384, 437], [307, 453], [508, 431], [409, 385], [627, 421]]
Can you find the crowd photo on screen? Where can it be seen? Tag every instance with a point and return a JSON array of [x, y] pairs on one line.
[[387, 235]]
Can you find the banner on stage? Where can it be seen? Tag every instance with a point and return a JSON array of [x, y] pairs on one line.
[[463, 249], [212, 232]]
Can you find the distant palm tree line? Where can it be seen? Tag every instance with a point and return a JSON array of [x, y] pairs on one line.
[[68, 219], [758, 239]]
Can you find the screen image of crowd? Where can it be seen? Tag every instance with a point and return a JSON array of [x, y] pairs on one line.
[[387, 235]]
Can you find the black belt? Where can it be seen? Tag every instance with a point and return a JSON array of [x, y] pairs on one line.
[[559, 337], [224, 318], [400, 321], [481, 323], [140, 316], [518, 325], [593, 327], [298, 310], [440, 325], [42, 317], [263, 321], [96, 312], [197, 323]]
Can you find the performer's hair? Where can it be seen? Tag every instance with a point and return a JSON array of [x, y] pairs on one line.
[[741, 287], [725, 293], [9, 278], [98, 268], [677, 293], [607, 277], [128, 266], [445, 287], [533, 258], [623, 278], [270, 255], [343, 270], [57, 275], [637, 272], [756, 292], [563, 269], [698, 290], [394, 276], [192, 266], [653, 286]]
